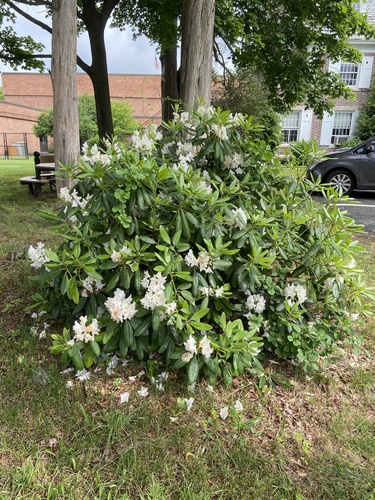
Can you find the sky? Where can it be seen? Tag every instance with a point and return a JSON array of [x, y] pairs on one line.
[[123, 54]]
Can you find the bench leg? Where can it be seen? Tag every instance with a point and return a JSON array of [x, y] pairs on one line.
[[31, 189], [37, 190]]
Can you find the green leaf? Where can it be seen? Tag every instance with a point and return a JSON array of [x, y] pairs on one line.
[[95, 347], [51, 255], [72, 290], [192, 370], [204, 327], [164, 235], [64, 284], [199, 314]]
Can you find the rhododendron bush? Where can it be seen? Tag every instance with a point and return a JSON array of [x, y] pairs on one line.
[[193, 246]]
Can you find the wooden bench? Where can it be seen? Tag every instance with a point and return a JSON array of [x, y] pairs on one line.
[[35, 185]]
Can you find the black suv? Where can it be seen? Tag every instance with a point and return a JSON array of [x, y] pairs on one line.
[[348, 168]]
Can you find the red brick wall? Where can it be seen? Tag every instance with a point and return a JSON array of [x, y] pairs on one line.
[[35, 90]]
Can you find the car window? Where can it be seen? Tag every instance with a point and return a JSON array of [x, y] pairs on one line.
[[361, 150]]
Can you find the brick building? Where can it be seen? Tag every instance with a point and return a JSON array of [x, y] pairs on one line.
[[28, 94]]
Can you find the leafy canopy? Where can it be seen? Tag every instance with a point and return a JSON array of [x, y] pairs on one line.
[[286, 41], [123, 120]]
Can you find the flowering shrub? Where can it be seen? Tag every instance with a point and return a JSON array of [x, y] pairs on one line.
[[193, 246]]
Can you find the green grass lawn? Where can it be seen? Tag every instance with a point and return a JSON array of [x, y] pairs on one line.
[[310, 438]]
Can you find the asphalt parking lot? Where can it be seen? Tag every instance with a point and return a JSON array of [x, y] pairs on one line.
[[363, 210]]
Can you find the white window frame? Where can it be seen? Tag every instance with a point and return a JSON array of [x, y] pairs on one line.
[[349, 73], [342, 126], [359, 74], [291, 127]]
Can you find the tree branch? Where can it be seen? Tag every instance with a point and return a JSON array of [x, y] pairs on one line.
[[27, 16]]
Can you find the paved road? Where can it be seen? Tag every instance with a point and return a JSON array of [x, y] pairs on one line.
[[363, 211]]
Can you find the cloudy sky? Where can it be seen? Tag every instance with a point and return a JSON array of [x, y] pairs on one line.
[[123, 54]]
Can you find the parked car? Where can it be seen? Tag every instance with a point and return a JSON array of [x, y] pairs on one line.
[[347, 169]]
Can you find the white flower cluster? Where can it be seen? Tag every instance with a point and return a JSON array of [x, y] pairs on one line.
[[73, 199], [209, 291], [191, 348], [236, 163], [154, 295], [295, 293], [181, 117], [256, 302], [120, 307], [84, 332], [220, 131], [37, 255], [94, 155], [117, 256], [144, 143], [239, 218], [203, 261], [328, 283], [91, 286]]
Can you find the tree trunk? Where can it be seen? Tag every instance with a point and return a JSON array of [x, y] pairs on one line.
[[95, 21], [169, 82], [64, 83], [196, 50]]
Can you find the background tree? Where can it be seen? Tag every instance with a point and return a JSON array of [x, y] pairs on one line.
[[287, 41], [365, 126], [92, 16], [124, 123], [244, 92], [17, 51]]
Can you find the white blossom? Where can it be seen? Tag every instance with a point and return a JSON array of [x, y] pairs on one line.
[[85, 332], [238, 406], [91, 286], [116, 256], [186, 357], [83, 375], [239, 218], [189, 403], [256, 303], [203, 261], [191, 345], [69, 383], [124, 397], [37, 255], [224, 412], [205, 346], [120, 307], [154, 295], [143, 392], [295, 293]]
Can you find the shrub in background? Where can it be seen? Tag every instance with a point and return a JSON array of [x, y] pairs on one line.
[[191, 245]]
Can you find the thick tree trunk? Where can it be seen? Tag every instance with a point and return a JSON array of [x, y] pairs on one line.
[[169, 83], [64, 83], [196, 50], [95, 21]]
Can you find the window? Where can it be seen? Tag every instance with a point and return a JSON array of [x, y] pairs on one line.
[[342, 123], [291, 124], [349, 73], [360, 6]]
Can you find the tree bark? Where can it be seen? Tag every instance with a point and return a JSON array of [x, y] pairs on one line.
[[169, 82], [95, 20], [196, 50], [64, 84]]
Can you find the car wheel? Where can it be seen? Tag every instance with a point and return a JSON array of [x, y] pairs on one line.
[[341, 181]]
